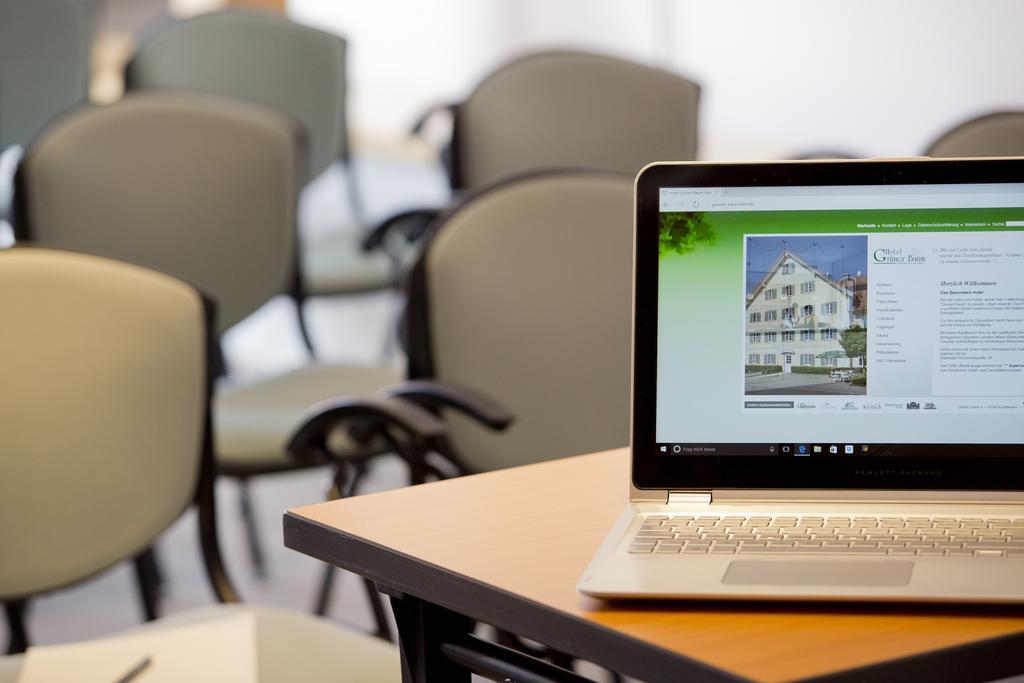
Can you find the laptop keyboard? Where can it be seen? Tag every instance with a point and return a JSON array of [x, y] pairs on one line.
[[829, 535]]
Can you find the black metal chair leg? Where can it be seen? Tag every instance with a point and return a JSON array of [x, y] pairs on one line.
[[252, 537], [355, 196], [417, 474], [323, 602], [323, 596], [303, 320], [339, 487], [376, 604], [148, 579], [346, 483], [379, 615], [17, 634], [393, 332], [152, 558]]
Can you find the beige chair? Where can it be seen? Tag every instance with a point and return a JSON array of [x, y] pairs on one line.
[[572, 110], [523, 293], [107, 411], [520, 306], [564, 111], [44, 68], [266, 59], [204, 189], [999, 134], [44, 63]]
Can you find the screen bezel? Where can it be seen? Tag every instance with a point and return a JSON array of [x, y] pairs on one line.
[[976, 467]]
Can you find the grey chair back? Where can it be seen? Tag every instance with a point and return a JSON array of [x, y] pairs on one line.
[[572, 110], [102, 415], [44, 63], [524, 293], [257, 57], [994, 135], [198, 187]]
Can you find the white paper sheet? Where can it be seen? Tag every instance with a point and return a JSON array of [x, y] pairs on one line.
[[220, 649]]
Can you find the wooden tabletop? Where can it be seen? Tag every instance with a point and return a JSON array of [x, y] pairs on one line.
[[526, 534]]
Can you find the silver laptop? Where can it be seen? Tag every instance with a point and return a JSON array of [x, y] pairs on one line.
[[828, 384]]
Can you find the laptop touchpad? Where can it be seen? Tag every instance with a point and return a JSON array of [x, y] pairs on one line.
[[817, 573]]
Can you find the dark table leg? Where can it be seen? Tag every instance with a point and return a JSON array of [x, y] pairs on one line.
[[438, 645], [422, 629]]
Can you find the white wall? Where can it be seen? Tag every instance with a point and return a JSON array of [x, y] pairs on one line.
[[873, 76], [779, 78], [407, 55]]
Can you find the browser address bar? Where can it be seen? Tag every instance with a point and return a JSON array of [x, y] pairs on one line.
[[1010, 195]]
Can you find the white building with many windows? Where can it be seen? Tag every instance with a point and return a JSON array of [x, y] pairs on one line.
[[795, 315]]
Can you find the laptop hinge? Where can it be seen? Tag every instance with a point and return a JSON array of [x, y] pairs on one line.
[[700, 497]]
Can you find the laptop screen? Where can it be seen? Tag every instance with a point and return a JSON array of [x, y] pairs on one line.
[[841, 321]]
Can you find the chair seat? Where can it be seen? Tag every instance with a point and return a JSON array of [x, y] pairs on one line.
[[252, 423], [335, 263], [290, 646]]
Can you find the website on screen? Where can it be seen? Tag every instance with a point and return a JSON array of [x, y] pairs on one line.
[[802, 312]]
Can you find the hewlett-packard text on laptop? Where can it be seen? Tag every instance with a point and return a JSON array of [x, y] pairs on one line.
[[828, 384]]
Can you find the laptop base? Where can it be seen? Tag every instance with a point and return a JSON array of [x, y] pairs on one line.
[[616, 573]]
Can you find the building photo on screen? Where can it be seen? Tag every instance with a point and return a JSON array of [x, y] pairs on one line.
[[806, 314]]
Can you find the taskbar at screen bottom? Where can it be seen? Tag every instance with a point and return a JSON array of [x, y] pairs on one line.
[[778, 449]]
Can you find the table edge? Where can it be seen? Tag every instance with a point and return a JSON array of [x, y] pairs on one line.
[[986, 656], [979, 660], [523, 616]]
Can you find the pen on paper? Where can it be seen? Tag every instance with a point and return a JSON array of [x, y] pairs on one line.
[[135, 670]]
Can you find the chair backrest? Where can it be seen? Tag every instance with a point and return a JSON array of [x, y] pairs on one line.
[[994, 135], [524, 293], [572, 110], [198, 187], [102, 415], [44, 63], [257, 57]]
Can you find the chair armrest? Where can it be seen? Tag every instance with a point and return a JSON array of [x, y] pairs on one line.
[[430, 112], [311, 436], [413, 223], [435, 395]]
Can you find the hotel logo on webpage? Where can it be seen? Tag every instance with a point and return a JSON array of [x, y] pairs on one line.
[[898, 256]]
